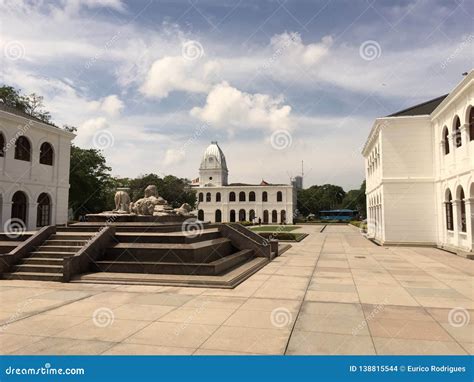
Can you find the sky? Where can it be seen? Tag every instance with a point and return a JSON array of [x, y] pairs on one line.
[[153, 82]]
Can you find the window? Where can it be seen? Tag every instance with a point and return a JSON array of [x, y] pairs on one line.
[[274, 216], [201, 197], [218, 197], [264, 196], [265, 216], [446, 140], [471, 124], [232, 197], [457, 132], [218, 216], [43, 215], [19, 206], [283, 216], [208, 197], [449, 211], [232, 216], [2, 145], [251, 215], [279, 196], [46, 154], [241, 196], [242, 215], [462, 208], [23, 149], [201, 215], [251, 196]]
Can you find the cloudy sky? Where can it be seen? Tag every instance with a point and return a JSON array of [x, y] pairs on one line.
[[152, 82]]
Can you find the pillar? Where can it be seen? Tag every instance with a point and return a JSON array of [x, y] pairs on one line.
[[470, 221]]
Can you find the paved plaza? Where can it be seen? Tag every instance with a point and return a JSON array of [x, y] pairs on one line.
[[333, 293]]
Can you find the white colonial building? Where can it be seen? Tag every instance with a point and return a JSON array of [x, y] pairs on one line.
[[219, 201], [419, 171], [34, 171]]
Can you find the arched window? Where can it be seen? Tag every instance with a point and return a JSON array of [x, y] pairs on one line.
[[46, 154], [457, 132], [232, 197], [251, 196], [201, 197], [251, 215], [449, 211], [446, 140], [242, 215], [241, 196], [283, 216], [23, 149], [218, 216], [264, 196], [274, 216], [462, 211], [232, 216], [2, 145], [19, 206], [208, 197], [265, 216], [218, 197], [471, 124], [43, 213], [279, 196], [201, 215]]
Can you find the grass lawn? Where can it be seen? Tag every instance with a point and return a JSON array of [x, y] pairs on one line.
[[274, 228]]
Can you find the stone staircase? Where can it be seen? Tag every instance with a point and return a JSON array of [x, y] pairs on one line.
[[45, 262]]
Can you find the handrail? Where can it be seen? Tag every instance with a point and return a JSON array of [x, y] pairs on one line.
[[247, 232], [15, 255], [262, 249], [90, 252]]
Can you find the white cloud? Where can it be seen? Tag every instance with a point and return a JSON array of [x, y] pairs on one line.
[[173, 156], [178, 74], [112, 105], [230, 108]]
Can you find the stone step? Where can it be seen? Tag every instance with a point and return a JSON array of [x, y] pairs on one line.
[[70, 236], [43, 261], [201, 252], [50, 254], [213, 268], [33, 276], [58, 248], [167, 237], [37, 268], [79, 229], [67, 243]]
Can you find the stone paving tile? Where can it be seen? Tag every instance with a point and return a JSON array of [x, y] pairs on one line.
[[141, 312], [313, 295], [267, 304], [172, 334], [12, 342], [332, 323], [137, 349], [42, 325], [64, 346], [215, 302], [199, 315], [277, 319], [408, 329], [397, 346]]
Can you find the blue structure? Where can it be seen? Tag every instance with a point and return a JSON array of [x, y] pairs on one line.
[[342, 214]]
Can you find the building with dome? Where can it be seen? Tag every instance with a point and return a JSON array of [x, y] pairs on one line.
[[220, 201], [419, 165]]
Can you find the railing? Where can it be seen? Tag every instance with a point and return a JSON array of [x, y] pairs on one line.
[[243, 238], [14, 256], [89, 253]]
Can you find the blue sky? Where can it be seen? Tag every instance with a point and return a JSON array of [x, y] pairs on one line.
[[275, 82]]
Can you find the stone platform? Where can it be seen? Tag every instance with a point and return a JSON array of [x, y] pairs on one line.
[[132, 218]]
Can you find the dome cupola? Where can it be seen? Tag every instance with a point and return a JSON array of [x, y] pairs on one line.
[[213, 170]]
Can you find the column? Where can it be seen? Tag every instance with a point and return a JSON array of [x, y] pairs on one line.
[[470, 221], [6, 214], [32, 213], [457, 221], [465, 137]]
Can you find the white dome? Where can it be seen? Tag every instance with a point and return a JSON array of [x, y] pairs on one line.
[[213, 158]]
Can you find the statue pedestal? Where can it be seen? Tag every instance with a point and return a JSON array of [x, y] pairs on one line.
[[132, 218]]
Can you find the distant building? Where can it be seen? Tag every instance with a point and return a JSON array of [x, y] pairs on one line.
[[219, 201], [419, 167], [298, 182], [34, 171]]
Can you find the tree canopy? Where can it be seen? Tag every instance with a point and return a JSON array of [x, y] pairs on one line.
[[30, 104]]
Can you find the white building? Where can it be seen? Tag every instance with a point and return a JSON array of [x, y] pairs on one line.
[[34, 171], [419, 170], [219, 201]]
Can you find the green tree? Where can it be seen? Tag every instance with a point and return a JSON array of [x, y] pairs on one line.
[[90, 182], [31, 104], [356, 200], [318, 198], [12, 97]]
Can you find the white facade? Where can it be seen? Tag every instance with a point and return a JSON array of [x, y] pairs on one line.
[[419, 173], [219, 201], [34, 171]]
